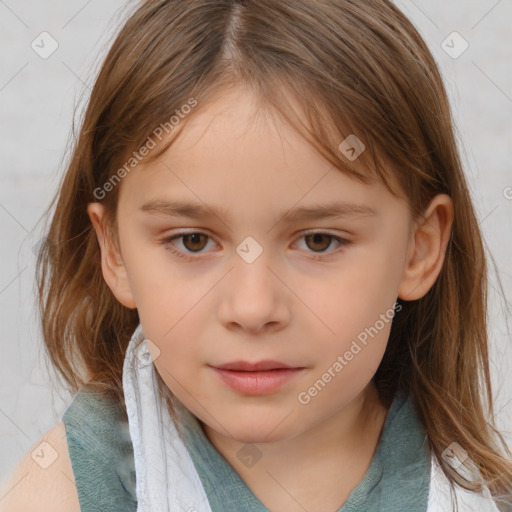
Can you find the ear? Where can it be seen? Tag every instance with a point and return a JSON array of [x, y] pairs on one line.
[[112, 264], [429, 239]]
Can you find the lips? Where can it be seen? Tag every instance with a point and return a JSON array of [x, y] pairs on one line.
[[246, 366], [257, 382], [257, 378]]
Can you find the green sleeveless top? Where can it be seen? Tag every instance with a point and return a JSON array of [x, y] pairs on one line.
[[101, 454]]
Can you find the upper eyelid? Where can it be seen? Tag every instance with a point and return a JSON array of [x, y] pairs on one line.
[[302, 232]]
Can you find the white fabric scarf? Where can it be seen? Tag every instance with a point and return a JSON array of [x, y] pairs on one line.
[[166, 478]]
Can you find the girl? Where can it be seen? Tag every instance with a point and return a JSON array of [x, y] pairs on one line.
[[224, 358]]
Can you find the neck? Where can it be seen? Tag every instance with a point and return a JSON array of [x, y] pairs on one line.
[[330, 458]]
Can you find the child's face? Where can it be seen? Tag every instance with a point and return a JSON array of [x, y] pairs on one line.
[[304, 301]]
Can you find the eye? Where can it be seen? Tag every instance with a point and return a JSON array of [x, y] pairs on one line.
[[194, 242], [321, 241]]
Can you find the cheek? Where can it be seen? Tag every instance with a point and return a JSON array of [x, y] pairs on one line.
[[178, 363], [163, 293], [358, 308], [359, 294], [375, 277], [359, 345]]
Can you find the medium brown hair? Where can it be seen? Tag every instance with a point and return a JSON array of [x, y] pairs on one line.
[[355, 67]]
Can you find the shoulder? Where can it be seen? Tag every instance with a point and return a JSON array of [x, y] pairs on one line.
[[44, 479]]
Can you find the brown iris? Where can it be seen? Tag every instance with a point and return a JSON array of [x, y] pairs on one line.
[[317, 239], [195, 241]]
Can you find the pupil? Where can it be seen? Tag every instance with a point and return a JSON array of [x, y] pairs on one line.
[[194, 239], [316, 240]]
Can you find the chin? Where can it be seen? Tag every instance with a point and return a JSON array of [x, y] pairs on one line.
[[253, 430], [254, 438]]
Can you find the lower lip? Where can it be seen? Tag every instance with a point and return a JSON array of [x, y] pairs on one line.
[[257, 383]]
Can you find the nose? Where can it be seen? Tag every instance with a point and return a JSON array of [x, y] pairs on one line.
[[255, 300]]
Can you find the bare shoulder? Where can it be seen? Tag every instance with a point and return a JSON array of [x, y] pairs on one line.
[[44, 479]]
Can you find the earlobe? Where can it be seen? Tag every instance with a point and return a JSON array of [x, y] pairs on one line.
[[112, 264], [427, 249]]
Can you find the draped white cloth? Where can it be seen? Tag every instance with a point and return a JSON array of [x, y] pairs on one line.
[[166, 478]]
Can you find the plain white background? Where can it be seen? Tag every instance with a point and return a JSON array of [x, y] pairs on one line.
[[37, 100]]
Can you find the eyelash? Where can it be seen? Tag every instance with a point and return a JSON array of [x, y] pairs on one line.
[[167, 243]]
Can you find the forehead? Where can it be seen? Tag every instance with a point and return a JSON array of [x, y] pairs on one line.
[[234, 153]]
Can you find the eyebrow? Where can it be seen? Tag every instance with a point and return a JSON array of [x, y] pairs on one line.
[[333, 209]]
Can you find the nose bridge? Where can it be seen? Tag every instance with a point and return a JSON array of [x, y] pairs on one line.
[[252, 264], [250, 250], [253, 296]]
